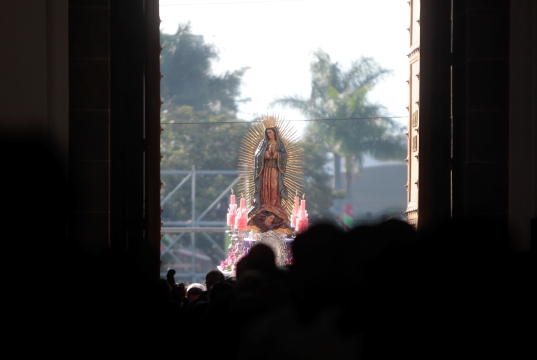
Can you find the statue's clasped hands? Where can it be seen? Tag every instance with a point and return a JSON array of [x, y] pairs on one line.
[[271, 150]]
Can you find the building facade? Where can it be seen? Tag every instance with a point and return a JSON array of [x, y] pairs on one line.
[[472, 114]]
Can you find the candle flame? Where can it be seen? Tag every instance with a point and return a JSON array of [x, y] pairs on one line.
[[242, 195], [231, 191], [304, 196]]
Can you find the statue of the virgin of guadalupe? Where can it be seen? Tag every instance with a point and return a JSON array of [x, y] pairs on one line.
[[270, 168]]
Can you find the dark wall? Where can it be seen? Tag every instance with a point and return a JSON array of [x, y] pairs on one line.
[[114, 127], [480, 108]]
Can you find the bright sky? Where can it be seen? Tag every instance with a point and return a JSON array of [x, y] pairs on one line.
[[275, 39]]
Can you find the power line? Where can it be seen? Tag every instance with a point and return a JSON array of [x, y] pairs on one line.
[[250, 122]]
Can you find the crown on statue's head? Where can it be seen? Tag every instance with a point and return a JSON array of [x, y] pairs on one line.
[[269, 121]]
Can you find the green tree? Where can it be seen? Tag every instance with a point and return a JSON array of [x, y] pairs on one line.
[[185, 62], [196, 114], [337, 94]]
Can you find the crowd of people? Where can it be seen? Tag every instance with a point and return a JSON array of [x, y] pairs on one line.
[[374, 292]]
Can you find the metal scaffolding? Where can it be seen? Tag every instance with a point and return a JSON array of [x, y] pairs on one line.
[[196, 225]]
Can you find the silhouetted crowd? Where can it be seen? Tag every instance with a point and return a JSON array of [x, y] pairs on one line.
[[379, 291], [375, 292]]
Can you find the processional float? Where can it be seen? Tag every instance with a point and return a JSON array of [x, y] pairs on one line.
[[270, 168]]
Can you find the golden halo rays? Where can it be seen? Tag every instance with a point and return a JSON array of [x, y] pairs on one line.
[[294, 177]]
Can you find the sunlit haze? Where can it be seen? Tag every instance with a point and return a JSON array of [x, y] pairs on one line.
[[276, 38]]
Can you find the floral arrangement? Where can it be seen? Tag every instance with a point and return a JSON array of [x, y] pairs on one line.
[[230, 264], [231, 216], [290, 259], [241, 220]]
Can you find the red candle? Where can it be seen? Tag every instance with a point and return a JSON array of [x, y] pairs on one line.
[[232, 199], [243, 203], [303, 204]]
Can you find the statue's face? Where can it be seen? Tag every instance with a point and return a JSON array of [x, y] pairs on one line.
[[270, 134], [269, 219]]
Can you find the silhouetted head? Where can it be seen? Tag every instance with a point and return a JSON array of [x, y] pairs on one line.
[[213, 277]]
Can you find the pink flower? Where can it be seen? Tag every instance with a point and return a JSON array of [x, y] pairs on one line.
[[241, 220], [231, 214], [231, 219]]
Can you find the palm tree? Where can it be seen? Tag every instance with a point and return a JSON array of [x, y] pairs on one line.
[[349, 124]]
